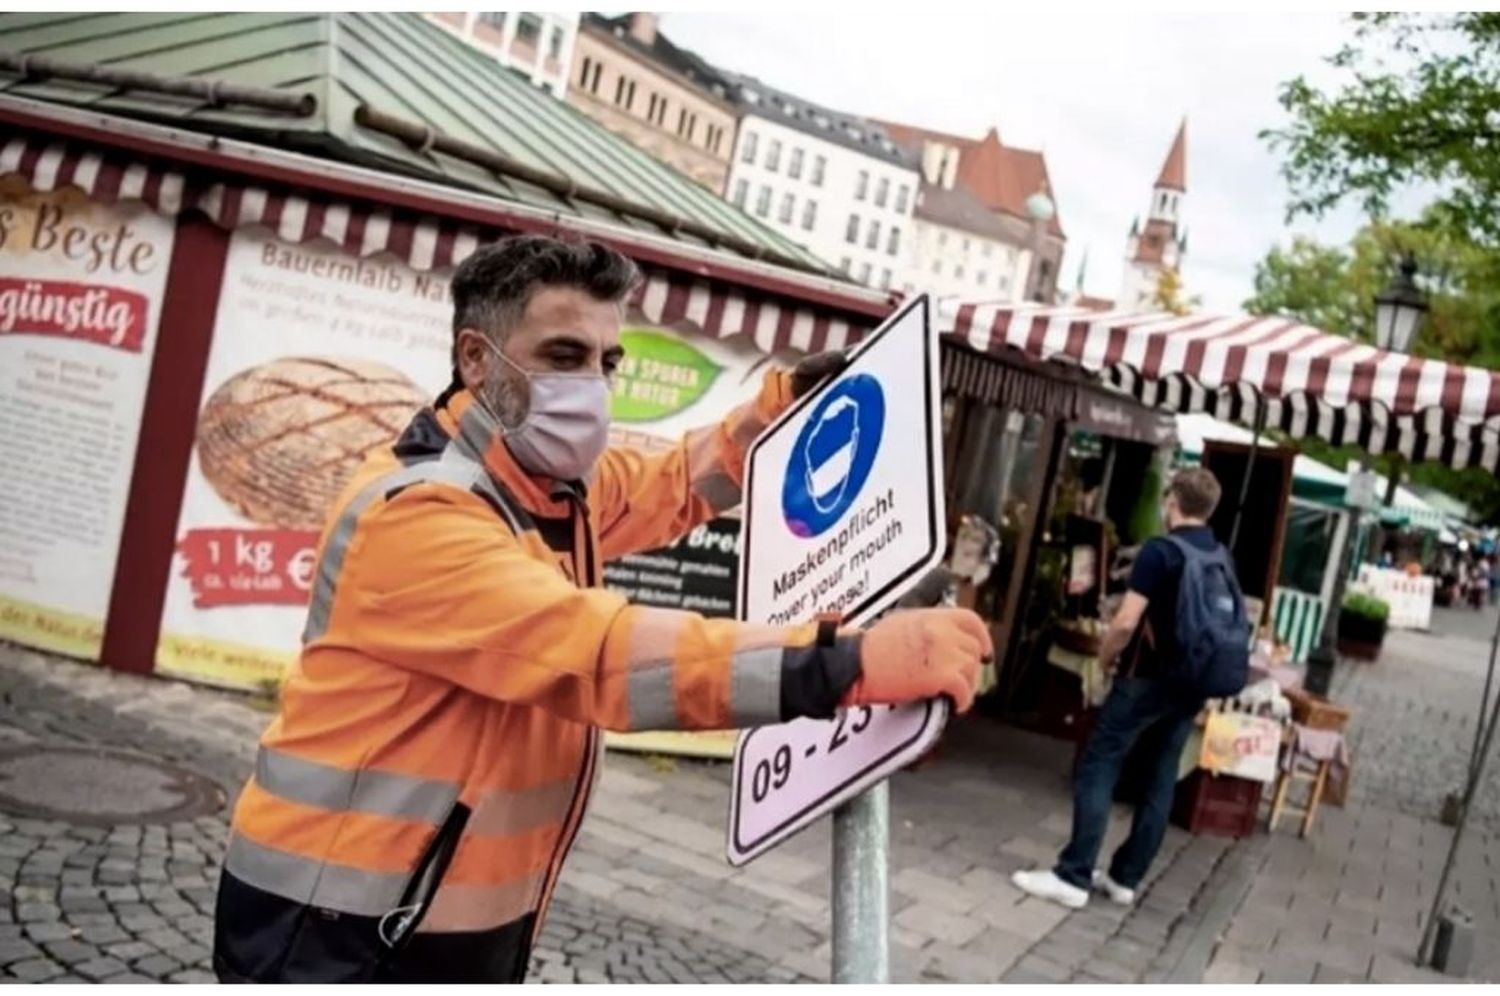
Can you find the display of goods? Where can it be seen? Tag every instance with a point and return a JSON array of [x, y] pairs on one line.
[[279, 441]]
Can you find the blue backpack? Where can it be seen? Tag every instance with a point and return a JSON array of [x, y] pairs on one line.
[[1213, 628]]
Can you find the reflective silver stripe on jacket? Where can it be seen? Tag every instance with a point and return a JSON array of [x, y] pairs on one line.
[[312, 882], [362, 790]]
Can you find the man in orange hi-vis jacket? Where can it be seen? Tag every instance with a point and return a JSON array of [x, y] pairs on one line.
[[412, 804]]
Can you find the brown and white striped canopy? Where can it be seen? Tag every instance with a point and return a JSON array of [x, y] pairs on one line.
[[1271, 372], [672, 298]]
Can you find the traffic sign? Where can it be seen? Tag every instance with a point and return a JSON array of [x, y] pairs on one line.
[[844, 498], [844, 512]]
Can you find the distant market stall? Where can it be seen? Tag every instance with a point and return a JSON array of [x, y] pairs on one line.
[[227, 241]]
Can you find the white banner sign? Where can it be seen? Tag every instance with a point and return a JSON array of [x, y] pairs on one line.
[[81, 288]]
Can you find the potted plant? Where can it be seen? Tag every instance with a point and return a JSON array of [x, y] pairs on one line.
[[1362, 624]]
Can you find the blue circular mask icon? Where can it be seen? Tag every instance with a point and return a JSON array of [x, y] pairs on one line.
[[833, 455]]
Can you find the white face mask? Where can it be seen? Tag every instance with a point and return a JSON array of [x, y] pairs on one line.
[[566, 427]]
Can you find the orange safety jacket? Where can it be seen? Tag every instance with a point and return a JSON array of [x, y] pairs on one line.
[[412, 804]]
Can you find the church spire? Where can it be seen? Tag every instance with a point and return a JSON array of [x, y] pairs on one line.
[[1174, 170]]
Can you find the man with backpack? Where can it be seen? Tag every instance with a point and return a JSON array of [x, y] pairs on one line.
[[1182, 636]]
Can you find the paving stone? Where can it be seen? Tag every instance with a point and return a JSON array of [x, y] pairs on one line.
[[158, 966], [71, 952], [35, 970], [17, 950], [129, 950], [1226, 972], [100, 968], [47, 930]]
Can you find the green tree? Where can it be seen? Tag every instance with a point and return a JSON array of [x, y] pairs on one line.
[[1167, 294], [1419, 104], [1334, 289]]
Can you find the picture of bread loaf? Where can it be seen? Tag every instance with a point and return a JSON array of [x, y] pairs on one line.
[[279, 441]]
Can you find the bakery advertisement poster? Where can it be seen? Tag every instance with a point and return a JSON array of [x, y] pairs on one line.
[[81, 287], [317, 359]]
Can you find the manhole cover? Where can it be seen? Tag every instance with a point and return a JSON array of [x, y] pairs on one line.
[[99, 786]]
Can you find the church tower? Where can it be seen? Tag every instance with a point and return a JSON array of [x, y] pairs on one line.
[[1160, 244]]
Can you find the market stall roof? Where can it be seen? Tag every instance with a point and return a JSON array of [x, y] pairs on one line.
[[1271, 372], [1312, 479], [389, 90]]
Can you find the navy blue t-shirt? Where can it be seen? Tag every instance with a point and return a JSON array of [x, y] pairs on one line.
[[1157, 576]]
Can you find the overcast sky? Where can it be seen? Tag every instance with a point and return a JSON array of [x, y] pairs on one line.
[[1100, 93]]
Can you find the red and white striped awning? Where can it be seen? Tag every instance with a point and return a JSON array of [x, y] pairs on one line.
[[1270, 372], [666, 298]]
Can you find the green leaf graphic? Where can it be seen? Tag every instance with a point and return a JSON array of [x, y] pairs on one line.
[[660, 376]]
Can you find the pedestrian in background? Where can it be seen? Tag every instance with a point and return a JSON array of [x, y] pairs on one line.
[[412, 803], [1149, 688]]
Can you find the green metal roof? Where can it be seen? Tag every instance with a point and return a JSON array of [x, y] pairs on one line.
[[401, 64]]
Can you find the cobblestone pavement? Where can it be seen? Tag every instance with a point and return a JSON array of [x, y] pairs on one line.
[[646, 895], [1350, 902]]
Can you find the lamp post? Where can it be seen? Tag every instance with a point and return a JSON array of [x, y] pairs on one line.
[[1399, 311]]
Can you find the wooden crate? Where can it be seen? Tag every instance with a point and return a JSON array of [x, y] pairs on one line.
[[1315, 712], [1219, 805]]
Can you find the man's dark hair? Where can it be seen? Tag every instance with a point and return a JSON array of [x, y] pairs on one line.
[[1197, 492], [492, 288]]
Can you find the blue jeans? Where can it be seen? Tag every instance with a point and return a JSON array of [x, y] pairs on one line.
[[1133, 706]]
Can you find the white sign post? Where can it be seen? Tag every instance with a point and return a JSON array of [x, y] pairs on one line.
[[843, 514]]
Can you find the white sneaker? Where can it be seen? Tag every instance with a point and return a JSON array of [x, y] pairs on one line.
[[1114, 890], [1046, 885]]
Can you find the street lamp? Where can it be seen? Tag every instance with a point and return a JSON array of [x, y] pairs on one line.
[[1399, 310]]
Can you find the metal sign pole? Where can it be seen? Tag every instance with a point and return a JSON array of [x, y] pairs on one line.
[[861, 897], [1476, 776]]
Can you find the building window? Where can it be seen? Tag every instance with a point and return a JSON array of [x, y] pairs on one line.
[[763, 202], [583, 77], [882, 189], [773, 155], [851, 233], [620, 91], [554, 44], [661, 113], [809, 214], [598, 73], [901, 198], [885, 279], [979, 278], [794, 165], [741, 190], [820, 163], [893, 245], [987, 249], [495, 19], [958, 272], [788, 205], [1004, 282], [862, 188], [966, 247], [872, 237], [844, 266], [864, 274], [528, 28], [747, 148], [651, 107], [719, 140], [937, 266], [942, 238]]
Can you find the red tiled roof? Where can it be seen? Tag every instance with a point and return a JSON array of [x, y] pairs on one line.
[[1174, 170], [1000, 176]]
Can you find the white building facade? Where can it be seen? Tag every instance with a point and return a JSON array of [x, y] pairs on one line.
[[537, 43], [955, 261], [835, 184]]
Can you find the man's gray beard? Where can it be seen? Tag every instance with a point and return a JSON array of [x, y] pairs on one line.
[[502, 403]]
